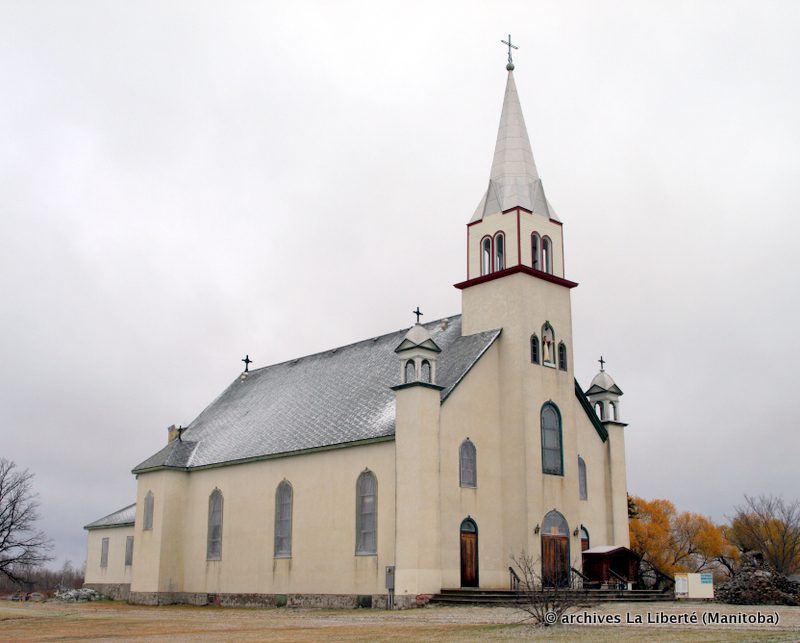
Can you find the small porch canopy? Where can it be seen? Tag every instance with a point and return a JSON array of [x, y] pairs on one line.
[[600, 564]]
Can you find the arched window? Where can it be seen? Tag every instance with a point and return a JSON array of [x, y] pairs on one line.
[[584, 538], [425, 371], [499, 251], [147, 517], [467, 464], [614, 415], [411, 371], [283, 520], [552, 455], [562, 356], [600, 411], [534, 349], [547, 255], [536, 249], [214, 547], [486, 255], [582, 486], [554, 524], [366, 514], [548, 344]]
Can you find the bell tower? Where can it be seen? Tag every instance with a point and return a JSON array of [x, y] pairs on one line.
[[516, 282]]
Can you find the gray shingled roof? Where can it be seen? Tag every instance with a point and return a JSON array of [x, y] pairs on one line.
[[331, 398], [122, 518]]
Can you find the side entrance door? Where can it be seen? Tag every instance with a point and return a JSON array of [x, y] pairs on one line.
[[469, 553]]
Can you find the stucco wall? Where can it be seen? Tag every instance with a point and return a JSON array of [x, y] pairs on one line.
[[323, 557], [116, 571], [521, 304]]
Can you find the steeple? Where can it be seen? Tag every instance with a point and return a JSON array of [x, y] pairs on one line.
[[514, 180]]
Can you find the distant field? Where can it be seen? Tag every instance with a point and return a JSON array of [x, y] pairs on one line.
[[119, 621]]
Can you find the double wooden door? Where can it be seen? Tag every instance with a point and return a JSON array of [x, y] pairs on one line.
[[555, 560]]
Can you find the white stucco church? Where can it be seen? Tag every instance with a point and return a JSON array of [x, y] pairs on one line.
[[441, 451]]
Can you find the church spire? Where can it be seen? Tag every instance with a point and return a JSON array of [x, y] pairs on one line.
[[514, 180]]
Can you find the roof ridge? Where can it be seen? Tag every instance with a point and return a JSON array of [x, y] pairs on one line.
[[360, 341]]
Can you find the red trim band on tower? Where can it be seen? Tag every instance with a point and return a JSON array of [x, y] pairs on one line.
[[514, 269]]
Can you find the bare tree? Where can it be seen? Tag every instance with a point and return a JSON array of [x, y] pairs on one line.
[[545, 602], [771, 526], [22, 546]]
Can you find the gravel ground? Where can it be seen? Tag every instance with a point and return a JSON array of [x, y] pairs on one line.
[[118, 621]]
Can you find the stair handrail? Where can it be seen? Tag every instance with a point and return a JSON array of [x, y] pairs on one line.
[[513, 579], [580, 574], [617, 576]]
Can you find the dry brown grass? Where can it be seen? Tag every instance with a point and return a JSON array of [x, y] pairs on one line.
[[119, 621]]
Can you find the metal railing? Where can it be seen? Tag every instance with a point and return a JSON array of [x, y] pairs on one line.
[[513, 580]]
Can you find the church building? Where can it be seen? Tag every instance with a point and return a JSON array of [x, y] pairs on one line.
[[431, 455]]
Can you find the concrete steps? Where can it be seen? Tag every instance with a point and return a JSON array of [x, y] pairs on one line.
[[477, 596]]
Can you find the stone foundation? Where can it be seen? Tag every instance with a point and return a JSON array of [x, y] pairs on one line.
[[328, 601], [115, 591]]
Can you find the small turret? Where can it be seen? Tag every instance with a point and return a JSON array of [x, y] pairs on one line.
[[418, 353], [604, 395]]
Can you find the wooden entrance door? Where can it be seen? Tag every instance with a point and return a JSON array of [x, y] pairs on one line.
[[555, 561], [469, 553]]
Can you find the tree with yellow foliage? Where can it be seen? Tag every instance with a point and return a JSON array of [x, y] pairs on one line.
[[669, 542], [769, 526]]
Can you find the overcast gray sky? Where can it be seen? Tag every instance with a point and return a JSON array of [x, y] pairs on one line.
[[182, 183]]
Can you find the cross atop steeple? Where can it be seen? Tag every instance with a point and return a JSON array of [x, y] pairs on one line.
[[510, 65], [418, 313], [247, 361], [602, 363]]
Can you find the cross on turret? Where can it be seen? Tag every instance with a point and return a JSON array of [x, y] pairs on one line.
[[418, 313], [602, 363], [247, 361]]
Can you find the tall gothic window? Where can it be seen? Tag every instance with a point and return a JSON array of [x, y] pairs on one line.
[[547, 255], [283, 520], [562, 356], [582, 485], [536, 245], [366, 514], [486, 256], [104, 552], [129, 551], [552, 454], [467, 464], [499, 251], [214, 545], [147, 517], [534, 349]]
